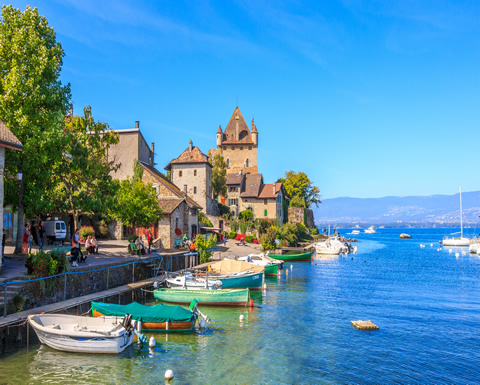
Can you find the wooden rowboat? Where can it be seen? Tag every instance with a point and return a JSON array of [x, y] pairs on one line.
[[223, 297], [292, 257], [152, 318]]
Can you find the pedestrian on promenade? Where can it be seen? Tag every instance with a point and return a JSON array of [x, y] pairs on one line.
[[149, 239], [26, 237], [41, 234], [224, 240]]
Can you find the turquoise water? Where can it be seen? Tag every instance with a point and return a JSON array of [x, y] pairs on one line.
[[426, 303]]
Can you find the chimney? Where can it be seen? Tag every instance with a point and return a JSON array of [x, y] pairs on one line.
[[153, 155], [137, 124], [190, 145]]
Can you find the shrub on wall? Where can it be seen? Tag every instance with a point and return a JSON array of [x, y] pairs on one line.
[[249, 238], [232, 235], [243, 227], [85, 231]]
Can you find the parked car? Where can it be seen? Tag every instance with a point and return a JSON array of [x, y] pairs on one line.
[[55, 231]]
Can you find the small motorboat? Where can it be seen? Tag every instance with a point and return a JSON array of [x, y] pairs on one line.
[[71, 333], [189, 282], [271, 265], [370, 230], [224, 297]]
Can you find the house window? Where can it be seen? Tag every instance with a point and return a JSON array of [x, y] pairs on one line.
[[247, 163], [228, 163], [233, 148], [233, 202], [179, 173], [265, 212], [241, 148], [195, 189], [265, 201], [249, 147], [224, 147], [194, 172]]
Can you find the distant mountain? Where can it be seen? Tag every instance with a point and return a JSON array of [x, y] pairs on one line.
[[434, 209]]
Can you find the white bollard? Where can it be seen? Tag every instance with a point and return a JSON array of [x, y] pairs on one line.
[[151, 342], [169, 374]]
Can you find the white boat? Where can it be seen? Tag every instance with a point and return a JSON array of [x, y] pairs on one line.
[[460, 241], [189, 282], [332, 246], [370, 230], [474, 247], [355, 232], [261, 259], [71, 333]]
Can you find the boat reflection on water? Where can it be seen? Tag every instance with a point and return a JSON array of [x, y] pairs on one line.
[[49, 365], [326, 257]]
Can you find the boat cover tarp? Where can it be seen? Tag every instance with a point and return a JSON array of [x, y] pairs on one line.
[[228, 266], [139, 312]]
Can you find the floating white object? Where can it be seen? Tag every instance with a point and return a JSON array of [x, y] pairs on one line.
[[151, 342], [241, 317], [431, 244], [169, 374], [291, 267], [202, 323], [464, 253], [457, 255], [264, 286], [450, 251]]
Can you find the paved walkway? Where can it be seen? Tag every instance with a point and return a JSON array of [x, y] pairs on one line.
[[113, 252]]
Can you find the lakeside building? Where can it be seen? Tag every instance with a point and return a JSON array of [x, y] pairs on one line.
[[7, 140], [193, 171]]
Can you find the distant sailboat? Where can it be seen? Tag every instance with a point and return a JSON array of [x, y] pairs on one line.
[[457, 241]]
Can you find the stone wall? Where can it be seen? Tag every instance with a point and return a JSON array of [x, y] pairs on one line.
[[309, 218], [296, 215], [237, 156]]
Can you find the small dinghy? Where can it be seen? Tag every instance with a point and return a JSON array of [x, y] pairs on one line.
[[80, 334], [189, 282]]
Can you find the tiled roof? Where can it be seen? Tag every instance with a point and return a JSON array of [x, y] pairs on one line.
[[229, 136], [189, 156], [8, 139], [172, 187], [168, 205], [268, 190], [234, 179], [253, 184]]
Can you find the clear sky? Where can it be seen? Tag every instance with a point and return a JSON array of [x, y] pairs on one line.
[[369, 98]]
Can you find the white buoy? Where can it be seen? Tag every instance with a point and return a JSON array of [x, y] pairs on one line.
[[264, 286], [450, 251], [241, 317], [291, 267], [151, 342], [431, 244], [169, 374], [457, 255]]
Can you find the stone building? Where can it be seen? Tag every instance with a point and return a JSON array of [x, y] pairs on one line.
[[131, 145], [7, 140], [248, 192], [179, 211], [238, 145], [192, 172]]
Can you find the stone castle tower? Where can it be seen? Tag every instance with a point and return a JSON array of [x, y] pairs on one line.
[[238, 145]]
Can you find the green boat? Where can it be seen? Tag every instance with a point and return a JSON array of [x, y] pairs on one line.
[[271, 269], [292, 257], [152, 318], [219, 297]]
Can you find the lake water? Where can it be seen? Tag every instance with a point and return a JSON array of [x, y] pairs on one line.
[[426, 303]]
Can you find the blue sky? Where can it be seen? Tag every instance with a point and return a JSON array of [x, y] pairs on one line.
[[369, 98]]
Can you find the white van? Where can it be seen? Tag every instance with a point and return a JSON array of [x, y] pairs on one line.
[[55, 231]]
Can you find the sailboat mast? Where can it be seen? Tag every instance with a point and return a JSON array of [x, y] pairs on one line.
[[461, 214]]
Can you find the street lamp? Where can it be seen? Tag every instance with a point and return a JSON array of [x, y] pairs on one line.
[[19, 173]]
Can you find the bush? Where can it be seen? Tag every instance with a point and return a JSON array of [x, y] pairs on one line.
[[234, 225], [239, 237], [202, 244], [243, 227], [45, 264], [297, 201], [232, 235], [313, 231], [224, 211], [85, 231], [202, 219], [255, 240], [246, 215], [262, 225], [249, 238], [132, 238], [268, 240]]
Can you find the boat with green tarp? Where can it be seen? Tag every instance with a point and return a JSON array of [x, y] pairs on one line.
[[292, 257], [219, 297], [152, 318]]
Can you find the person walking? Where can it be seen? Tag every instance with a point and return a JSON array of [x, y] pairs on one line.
[[41, 235], [26, 236]]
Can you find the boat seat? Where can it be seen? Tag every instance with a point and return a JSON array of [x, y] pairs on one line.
[[53, 326]]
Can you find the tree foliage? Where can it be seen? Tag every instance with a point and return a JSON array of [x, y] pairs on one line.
[[219, 176], [297, 201], [202, 244], [246, 215], [33, 103], [298, 184], [83, 172]]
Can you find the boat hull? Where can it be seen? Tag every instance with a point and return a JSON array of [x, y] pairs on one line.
[[65, 338], [220, 297], [271, 270], [292, 257], [246, 281], [456, 242]]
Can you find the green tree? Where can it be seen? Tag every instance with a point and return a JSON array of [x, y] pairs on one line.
[[297, 201], [83, 172], [298, 183], [219, 176], [246, 215], [33, 103], [136, 204], [202, 244]]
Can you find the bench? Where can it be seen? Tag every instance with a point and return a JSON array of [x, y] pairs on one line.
[[178, 243], [134, 249]]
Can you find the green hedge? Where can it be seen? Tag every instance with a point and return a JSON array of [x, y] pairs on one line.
[[249, 238], [232, 235]]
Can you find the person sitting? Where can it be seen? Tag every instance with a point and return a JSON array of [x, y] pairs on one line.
[[95, 245], [89, 245], [243, 242], [140, 246]]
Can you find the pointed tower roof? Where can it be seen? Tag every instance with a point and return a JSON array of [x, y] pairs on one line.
[[192, 154], [237, 126], [219, 131]]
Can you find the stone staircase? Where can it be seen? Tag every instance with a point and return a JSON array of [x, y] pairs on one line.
[[12, 289]]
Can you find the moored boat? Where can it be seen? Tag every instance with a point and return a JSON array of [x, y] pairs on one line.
[[81, 334], [370, 230], [188, 281], [237, 274], [271, 269], [224, 297], [460, 241], [152, 318], [292, 257]]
